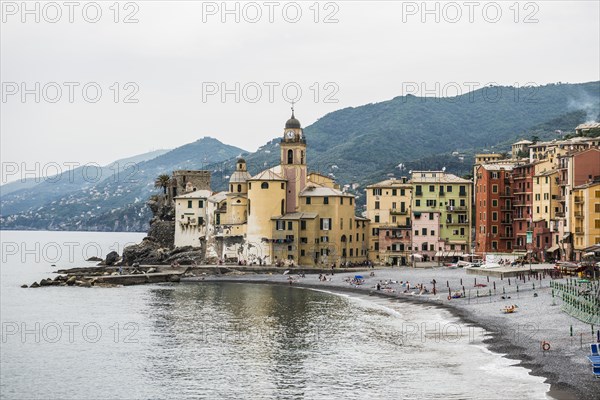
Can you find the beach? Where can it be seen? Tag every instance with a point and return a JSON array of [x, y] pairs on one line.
[[519, 335]]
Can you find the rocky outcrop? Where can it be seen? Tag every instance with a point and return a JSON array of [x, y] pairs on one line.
[[163, 232], [111, 258]]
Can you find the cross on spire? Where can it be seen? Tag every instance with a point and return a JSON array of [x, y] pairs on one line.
[[293, 109]]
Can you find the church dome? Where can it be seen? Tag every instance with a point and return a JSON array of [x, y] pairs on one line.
[[292, 123]]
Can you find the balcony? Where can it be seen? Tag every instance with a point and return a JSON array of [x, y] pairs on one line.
[[578, 200], [457, 222], [578, 214], [456, 208], [462, 194], [442, 193], [579, 230], [398, 211], [507, 236], [506, 195], [560, 214], [417, 193], [504, 208]]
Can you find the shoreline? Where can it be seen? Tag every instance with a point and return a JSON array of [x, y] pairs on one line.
[[567, 379]]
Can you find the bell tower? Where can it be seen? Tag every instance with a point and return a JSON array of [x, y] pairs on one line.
[[293, 161]]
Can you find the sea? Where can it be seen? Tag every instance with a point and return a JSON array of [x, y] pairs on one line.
[[227, 340]]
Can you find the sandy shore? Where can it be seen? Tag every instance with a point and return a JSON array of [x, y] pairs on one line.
[[517, 335]]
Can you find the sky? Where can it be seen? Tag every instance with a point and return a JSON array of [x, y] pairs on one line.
[[92, 82]]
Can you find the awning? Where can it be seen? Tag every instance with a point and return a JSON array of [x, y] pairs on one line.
[[417, 256], [438, 254], [567, 235], [552, 249], [417, 213]]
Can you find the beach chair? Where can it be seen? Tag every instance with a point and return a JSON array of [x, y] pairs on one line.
[[595, 360], [596, 370], [594, 348]]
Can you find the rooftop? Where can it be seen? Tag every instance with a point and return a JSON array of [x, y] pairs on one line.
[[198, 194]]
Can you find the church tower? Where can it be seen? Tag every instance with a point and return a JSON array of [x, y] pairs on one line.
[[293, 161]]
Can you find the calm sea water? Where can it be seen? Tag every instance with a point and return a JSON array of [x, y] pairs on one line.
[[185, 341]]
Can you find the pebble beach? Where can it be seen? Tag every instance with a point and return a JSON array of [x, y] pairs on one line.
[[537, 318]]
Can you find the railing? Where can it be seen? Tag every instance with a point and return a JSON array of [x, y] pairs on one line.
[[456, 208], [578, 214], [579, 231], [578, 200], [560, 214], [398, 211]]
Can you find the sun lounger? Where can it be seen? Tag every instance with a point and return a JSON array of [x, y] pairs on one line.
[[594, 349], [596, 370], [595, 360]]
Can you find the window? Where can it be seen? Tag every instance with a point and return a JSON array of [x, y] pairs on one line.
[[449, 189], [290, 225], [494, 229], [431, 188], [302, 225], [416, 232], [431, 216], [307, 200], [239, 188], [418, 190], [351, 200], [494, 188], [431, 203], [282, 186], [280, 225], [376, 218], [302, 253], [264, 185], [402, 192], [494, 216], [304, 240], [290, 156], [424, 231], [494, 203], [325, 200], [432, 233], [200, 203], [377, 205], [376, 245], [341, 201], [417, 203], [325, 224], [394, 192], [376, 192], [189, 203]]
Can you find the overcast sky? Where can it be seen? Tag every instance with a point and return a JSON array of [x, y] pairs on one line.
[[179, 56]]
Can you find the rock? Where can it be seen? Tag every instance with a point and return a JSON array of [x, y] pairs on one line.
[[174, 278], [163, 232], [34, 285], [151, 270], [84, 283], [24, 286], [46, 282], [71, 281], [94, 259], [111, 258]]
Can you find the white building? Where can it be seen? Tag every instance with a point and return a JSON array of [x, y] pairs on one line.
[[190, 218]]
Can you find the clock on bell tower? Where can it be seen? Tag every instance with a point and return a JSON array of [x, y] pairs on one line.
[[293, 161]]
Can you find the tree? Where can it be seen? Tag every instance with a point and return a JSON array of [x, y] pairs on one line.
[[162, 181]]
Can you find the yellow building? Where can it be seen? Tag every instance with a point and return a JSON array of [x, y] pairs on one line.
[[389, 213], [546, 193], [284, 215], [585, 214]]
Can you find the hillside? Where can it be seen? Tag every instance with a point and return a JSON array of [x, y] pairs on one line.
[[120, 195], [358, 145]]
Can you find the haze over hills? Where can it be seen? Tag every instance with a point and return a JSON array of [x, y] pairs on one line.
[[358, 145]]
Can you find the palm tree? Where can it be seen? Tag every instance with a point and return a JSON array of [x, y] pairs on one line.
[[162, 181]]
